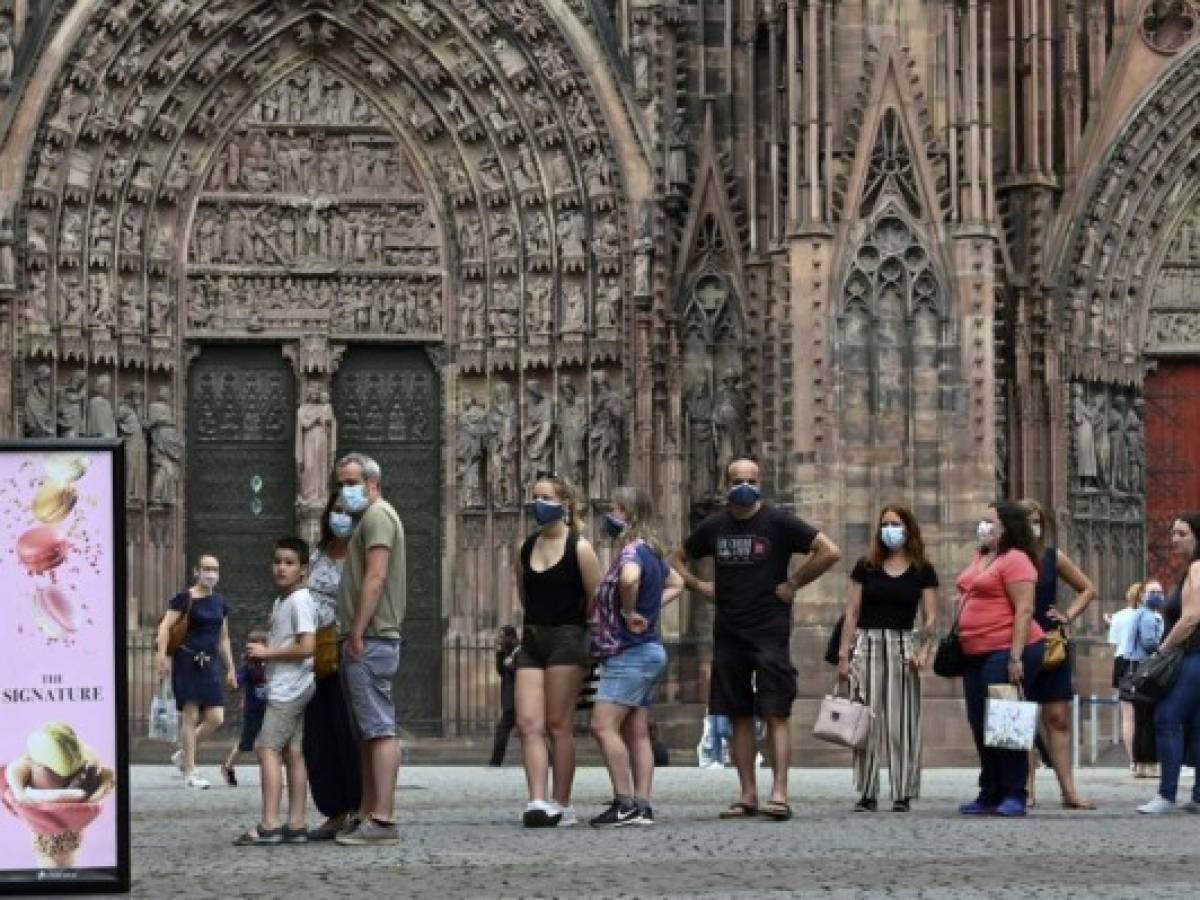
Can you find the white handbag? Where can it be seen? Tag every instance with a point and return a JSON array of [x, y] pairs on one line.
[[844, 721], [1009, 724]]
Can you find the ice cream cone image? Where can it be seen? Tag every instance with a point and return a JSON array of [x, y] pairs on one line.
[[56, 789]]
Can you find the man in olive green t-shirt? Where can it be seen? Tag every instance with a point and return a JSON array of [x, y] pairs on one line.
[[370, 616]]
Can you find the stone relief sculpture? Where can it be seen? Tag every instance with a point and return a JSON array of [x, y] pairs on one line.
[[604, 437], [101, 421], [1118, 445], [316, 443], [730, 418], [166, 449], [539, 433], [1087, 470], [72, 405], [39, 405], [572, 431], [469, 449], [503, 428], [129, 426], [702, 460]]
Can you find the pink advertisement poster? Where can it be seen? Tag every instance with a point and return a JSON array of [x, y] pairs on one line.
[[58, 664]]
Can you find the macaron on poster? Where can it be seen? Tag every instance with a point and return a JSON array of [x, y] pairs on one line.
[[58, 690]]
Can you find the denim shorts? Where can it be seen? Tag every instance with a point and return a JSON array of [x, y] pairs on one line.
[[629, 678], [367, 683]]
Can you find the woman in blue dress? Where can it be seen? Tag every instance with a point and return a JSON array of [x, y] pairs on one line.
[[196, 676]]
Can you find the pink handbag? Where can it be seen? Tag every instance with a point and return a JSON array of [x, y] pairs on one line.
[[844, 721]]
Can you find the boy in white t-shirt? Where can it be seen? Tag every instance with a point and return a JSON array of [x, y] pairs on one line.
[[288, 654]]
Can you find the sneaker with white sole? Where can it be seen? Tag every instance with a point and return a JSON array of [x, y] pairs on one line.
[[566, 814], [1157, 806], [197, 781], [540, 814], [370, 831], [616, 815]]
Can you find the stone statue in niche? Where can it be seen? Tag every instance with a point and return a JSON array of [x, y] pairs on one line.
[[570, 235], [316, 438], [503, 430], [39, 405], [166, 449], [100, 314], [608, 304], [730, 417], [74, 305], [574, 309], [72, 405], [6, 58], [1118, 445], [101, 422], [1135, 440], [129, 426], [8, 268], [539, 433], [1087, 471], [702, 447], [469, 445], [604, 438], [639, 59], [608, 239], [1099, 418], [37, 310], [572, 431]]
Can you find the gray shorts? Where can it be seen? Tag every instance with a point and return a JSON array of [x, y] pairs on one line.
[[367, 683], [283, 724]]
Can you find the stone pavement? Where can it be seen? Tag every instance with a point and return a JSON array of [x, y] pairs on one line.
[[461, 839]]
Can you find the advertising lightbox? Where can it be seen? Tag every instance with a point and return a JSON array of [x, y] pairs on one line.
[[64, 793]]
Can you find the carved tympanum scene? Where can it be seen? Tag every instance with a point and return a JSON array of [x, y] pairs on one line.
[[935, 251]]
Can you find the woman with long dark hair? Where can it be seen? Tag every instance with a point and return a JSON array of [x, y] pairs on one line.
[[557, 574], [1177, 715], [331, 752], [882, 657], [1001, 644], [1054, 688]]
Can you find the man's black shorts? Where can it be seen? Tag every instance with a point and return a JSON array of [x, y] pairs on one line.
[[752, 675]]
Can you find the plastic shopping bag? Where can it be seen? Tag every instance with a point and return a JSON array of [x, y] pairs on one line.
[[1011, 722], [164, 717]]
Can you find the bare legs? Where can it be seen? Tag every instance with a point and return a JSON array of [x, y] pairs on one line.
[[779, 739], [272, 762], [1056, 719], [196, 727], [380, 759], [1127, 725], [608, 720], [636, 732], [545, 705]]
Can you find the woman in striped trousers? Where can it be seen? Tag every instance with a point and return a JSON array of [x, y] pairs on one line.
[[882, 657]]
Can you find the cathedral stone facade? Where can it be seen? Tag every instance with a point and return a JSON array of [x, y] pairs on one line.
[[936, 251]]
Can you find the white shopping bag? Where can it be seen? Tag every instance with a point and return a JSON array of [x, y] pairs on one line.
[[164, 717], [1009, 724]]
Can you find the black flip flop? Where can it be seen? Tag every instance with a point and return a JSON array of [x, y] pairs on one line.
[[776, 811], [739, 810]]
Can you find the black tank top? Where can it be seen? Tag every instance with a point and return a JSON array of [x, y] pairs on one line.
[[556, 596], [1172, 612]]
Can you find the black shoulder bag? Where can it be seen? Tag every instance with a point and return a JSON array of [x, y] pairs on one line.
[[950, 661], [1151, 681]]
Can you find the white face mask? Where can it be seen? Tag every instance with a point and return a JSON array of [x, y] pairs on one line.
[[984, 531], [1035, 529], [208, 579]]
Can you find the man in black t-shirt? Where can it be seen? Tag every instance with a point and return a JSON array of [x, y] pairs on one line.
[[752, 544]]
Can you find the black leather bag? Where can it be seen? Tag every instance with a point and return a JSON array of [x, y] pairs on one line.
[[834, 647], [1153, 679], [949, 661]]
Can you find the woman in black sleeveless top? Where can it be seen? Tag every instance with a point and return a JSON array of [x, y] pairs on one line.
[[557, 574], [1054, 688], [1177, 715]]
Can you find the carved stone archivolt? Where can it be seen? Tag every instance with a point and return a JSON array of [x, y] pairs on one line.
[[1167, 25]]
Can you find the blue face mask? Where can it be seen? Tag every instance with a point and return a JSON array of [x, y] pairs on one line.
[[1154, 600], [354, 497], [341, 524], [745, 495], [892, 536], [546, 512], [614, 525]]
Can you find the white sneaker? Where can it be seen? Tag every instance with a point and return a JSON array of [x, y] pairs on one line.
[[197, 781], [540, 814], [177, 760], [715, 764], [568, 815], [1156, 806]]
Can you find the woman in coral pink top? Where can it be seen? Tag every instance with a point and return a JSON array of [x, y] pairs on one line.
[[1002, 645]]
